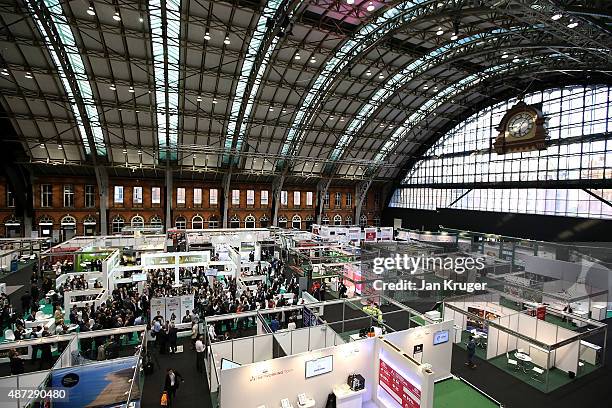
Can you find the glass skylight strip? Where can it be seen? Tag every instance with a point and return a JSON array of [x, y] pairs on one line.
[[77, 66], [367, 35], [253, 50], [408, 73], [439, 99], [167, 112]]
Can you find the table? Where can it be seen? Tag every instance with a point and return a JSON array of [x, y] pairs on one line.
[[480, 337], [347, 398], [523, 358]]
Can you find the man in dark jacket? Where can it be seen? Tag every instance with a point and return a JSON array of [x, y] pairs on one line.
[[471, 350], [171, 384], [172, 334]]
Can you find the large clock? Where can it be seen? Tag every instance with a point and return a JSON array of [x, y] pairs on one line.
[[521, 129]]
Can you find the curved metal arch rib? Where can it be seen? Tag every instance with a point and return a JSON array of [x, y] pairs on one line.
[[72, 73], [453, 91], [260, 46], [367, 36], [439, 56]]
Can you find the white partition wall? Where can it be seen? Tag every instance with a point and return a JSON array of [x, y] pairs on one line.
[[439, 356], [267, 382]]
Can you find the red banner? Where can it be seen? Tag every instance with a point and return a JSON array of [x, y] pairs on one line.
[[402, 390]]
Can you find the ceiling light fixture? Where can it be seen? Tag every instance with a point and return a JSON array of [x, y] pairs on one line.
[[426, 87], [227, 40], [440, 31], [350, 1], [454, 37], [60, 147], [341, 119], [297, 56], [284, 110], [313, 60], [572, 24], [29, 75], [271, 108], [207, 36], [141, 19], [214, 101], [556, 16], [116, 16], [370, 7], [368, 73], [199, 99], [131, 90], [90, 10], [42, 145], [112, 87], [5, 72], [516, 59], [435, 89], [504, 55], [381, 76], [124, 151]]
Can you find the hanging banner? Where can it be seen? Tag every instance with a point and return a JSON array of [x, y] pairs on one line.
[[386, 233], [173, 309], [158, 305], [370, 234], [187, 305]]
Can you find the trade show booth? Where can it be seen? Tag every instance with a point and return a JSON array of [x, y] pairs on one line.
[[543, 354]]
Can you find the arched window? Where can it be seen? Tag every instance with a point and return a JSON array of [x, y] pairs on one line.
[[235, 222], [117, 224], [296, 222], [68, 221], [137, 221], [249, 221], [13, 226], [213, 222], [575, 115], [90, 220], [363, 221], [325, 220], [348, 220], [309, 221], [282, 221], [264, 221], [197, 222], [181, 222], [155, 221], [337, 219], [89, 225]]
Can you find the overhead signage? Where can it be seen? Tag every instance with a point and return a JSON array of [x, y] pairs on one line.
[[386, 233], [370, 234]]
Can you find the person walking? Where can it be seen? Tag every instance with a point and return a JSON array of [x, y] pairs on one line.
[[471, 350], [199, 347], [171, 384]]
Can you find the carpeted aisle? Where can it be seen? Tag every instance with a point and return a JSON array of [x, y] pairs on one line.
[[193, 392]]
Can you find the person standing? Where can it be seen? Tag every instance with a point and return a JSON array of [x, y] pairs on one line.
[[471, 350], [171, 384], [172, 336], [199, 347], [194, 334]]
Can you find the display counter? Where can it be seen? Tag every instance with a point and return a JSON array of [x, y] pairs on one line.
[[347, 398]]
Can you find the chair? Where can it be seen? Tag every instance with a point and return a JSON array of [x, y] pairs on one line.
[[537, 373], [9, 335], [512, 362]]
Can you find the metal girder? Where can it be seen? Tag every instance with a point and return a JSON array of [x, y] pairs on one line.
[[102, 182], [277, 188], [584, 35], [322, 189], [226, 183], [405, 14], [169, 194], [44, 16], [361, 193]]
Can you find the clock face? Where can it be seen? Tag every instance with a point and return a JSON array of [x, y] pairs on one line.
[[520, 125]]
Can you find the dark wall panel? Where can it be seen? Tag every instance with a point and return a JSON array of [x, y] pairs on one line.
[[540, 227]]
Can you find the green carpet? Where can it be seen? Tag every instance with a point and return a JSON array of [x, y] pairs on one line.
[[556, 378], [454, 393]]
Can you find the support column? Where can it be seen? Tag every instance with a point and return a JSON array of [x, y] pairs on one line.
[[102, 181], [227, 179], [27, 225], [169, 189], [322, 188], [277, 187], [361, 193]]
